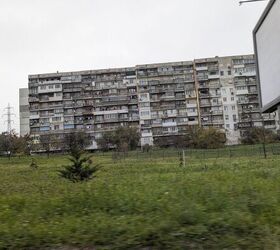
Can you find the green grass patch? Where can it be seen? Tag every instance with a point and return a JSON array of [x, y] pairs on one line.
[[143, 201]]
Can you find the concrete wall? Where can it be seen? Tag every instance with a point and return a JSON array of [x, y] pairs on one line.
[[24, 111]]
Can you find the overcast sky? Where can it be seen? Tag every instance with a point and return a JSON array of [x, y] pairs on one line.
[[39, 36]]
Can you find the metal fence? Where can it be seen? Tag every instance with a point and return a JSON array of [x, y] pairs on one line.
[[225, 152]]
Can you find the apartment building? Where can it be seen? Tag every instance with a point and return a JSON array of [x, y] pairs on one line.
[[92, 101], [161, 100], [248, 105], [167, 101]]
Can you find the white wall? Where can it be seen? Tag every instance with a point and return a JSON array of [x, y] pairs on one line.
[[268, 48]]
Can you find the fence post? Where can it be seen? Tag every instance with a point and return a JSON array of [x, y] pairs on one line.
[[184, 158]]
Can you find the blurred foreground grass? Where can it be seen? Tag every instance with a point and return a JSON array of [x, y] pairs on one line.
[[142, 202]]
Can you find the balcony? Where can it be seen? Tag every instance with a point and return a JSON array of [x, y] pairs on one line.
[[182, 114], [130, 84], [192, 123], [34, 117], [201, 68], [205, 104], [247, 101], [217, 112], [218, 121], [202, 77], [107, 112], [49, 90], [191, 105], [44, 99], [190, 97], [146, 134], [70, 90], [167, 98], [134, 118], [215, 76], [180, 123], [169, 124], [216, 103], [55, 98], [33, 125], [189, 79], [203, 86], [270, 126], [242, 92], [192, 113], [171, 115], [33, 99], [245, 73], [204, 96]]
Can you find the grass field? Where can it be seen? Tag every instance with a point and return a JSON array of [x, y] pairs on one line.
[[220, 200]]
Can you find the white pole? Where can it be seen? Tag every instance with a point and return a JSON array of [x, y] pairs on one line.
[[184, 159]]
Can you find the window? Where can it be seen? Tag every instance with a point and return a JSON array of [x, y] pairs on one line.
[[69, 126], [234, 118], [226, 116], [110, 116], [44, 128], [227, 126], [144, 104], [50, 86], [232, 98], [145, 113], [225, 108], [143, 97], [222, 73], [229, 72], [57, 86], [172, 129], [56, 119], [232, 107], [43, 87], [58, 111], [224, 99], [56, 127]]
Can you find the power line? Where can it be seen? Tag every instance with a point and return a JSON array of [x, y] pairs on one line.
[[9, 116], [250, 1]]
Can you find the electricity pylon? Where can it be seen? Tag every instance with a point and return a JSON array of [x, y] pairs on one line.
[[9, 116]]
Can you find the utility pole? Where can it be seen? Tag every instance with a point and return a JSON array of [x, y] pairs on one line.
[[9, 116], [263, 138], [250, 1]]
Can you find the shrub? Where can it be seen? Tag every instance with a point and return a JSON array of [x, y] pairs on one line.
[[259, 135], [205, 138], [123, 139], [75, 141], [146, 148]]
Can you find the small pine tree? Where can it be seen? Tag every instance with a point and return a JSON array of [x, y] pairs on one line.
[[181, 160], [80, 169], [33, 164]]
